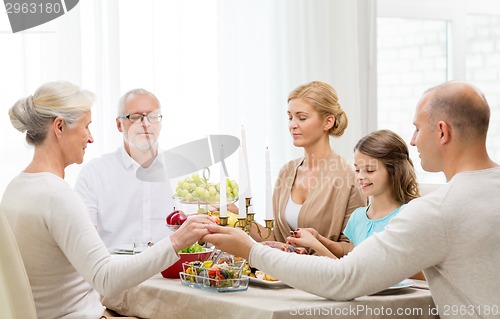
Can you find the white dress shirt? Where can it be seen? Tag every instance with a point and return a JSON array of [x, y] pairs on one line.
[[120, 205]]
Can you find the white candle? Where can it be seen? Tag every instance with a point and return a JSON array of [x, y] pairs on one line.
[[243, 185], [223, 196], [269, 190], [248, 189]]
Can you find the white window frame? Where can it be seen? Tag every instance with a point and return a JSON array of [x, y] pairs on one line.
[[454, 11]]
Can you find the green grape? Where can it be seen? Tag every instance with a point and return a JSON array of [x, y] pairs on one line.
[[212, 190], [206, 194], [196, 188], [233, 183], [200, 190]]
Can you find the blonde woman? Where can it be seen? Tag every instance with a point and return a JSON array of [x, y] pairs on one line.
[[316, 191]]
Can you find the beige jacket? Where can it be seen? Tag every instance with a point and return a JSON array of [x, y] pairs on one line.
[[330, 201]]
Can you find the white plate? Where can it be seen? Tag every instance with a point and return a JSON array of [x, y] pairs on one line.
[[267, 283], [404, 284], [407, 283], [122, 250]]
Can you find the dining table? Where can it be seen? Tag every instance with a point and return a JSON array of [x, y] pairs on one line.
[[159, 297]]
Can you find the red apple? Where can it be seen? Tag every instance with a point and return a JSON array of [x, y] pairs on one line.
[[169, 216], [177, 217]]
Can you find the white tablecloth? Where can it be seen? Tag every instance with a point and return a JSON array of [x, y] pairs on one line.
[[168, 298]]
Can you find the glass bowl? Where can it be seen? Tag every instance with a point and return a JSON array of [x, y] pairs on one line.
[[174, 270]]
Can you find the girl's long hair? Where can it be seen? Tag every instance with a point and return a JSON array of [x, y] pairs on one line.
[[391, 149]]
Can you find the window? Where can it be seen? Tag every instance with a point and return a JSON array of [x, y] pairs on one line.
[[423, 43], [482, 61]]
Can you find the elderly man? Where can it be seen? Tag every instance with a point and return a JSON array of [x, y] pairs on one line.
[[121, 205], [451, 233]]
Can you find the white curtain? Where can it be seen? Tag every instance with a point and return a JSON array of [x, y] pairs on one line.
[[214, 65], [267, 48]]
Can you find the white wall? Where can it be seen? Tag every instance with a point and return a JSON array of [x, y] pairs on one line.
[[214, 65]]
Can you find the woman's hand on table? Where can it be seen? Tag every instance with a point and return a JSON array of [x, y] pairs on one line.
[[191, 231], [229, 239]]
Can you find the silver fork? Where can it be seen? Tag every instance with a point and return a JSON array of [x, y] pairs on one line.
[[214, 256]]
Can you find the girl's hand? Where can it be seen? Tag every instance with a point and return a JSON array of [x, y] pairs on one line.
[[307, 237], [312, 231], [303, 238]]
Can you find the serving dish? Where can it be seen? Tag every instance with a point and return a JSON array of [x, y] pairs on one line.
[[215, 285], [174, 270]]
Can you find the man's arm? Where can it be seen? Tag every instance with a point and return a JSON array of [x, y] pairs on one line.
[[414, 240]]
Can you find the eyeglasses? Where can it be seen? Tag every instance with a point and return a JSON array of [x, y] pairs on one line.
[[152, 118]]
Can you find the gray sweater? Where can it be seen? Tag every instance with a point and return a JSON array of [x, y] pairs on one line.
[[452, 234]]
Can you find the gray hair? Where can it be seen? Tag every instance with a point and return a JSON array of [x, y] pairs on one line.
[[35, 113], [121, 102]]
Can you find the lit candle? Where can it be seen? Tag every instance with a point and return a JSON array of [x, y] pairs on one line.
[[243, 185], [269, 190], [248, 189], [223, 196]]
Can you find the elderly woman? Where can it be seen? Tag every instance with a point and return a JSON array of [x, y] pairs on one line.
[[68, 265]]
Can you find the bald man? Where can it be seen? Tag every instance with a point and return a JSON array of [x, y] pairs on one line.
[[451, 233]]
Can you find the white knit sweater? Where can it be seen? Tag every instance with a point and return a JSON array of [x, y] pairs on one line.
[[68, 265]]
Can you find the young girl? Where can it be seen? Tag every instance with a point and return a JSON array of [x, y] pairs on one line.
[[385, 174]]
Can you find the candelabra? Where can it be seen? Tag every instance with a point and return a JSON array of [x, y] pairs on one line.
[[245, 223]]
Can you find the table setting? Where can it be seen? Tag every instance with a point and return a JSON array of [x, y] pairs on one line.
[[161, 297], [209, 283]]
